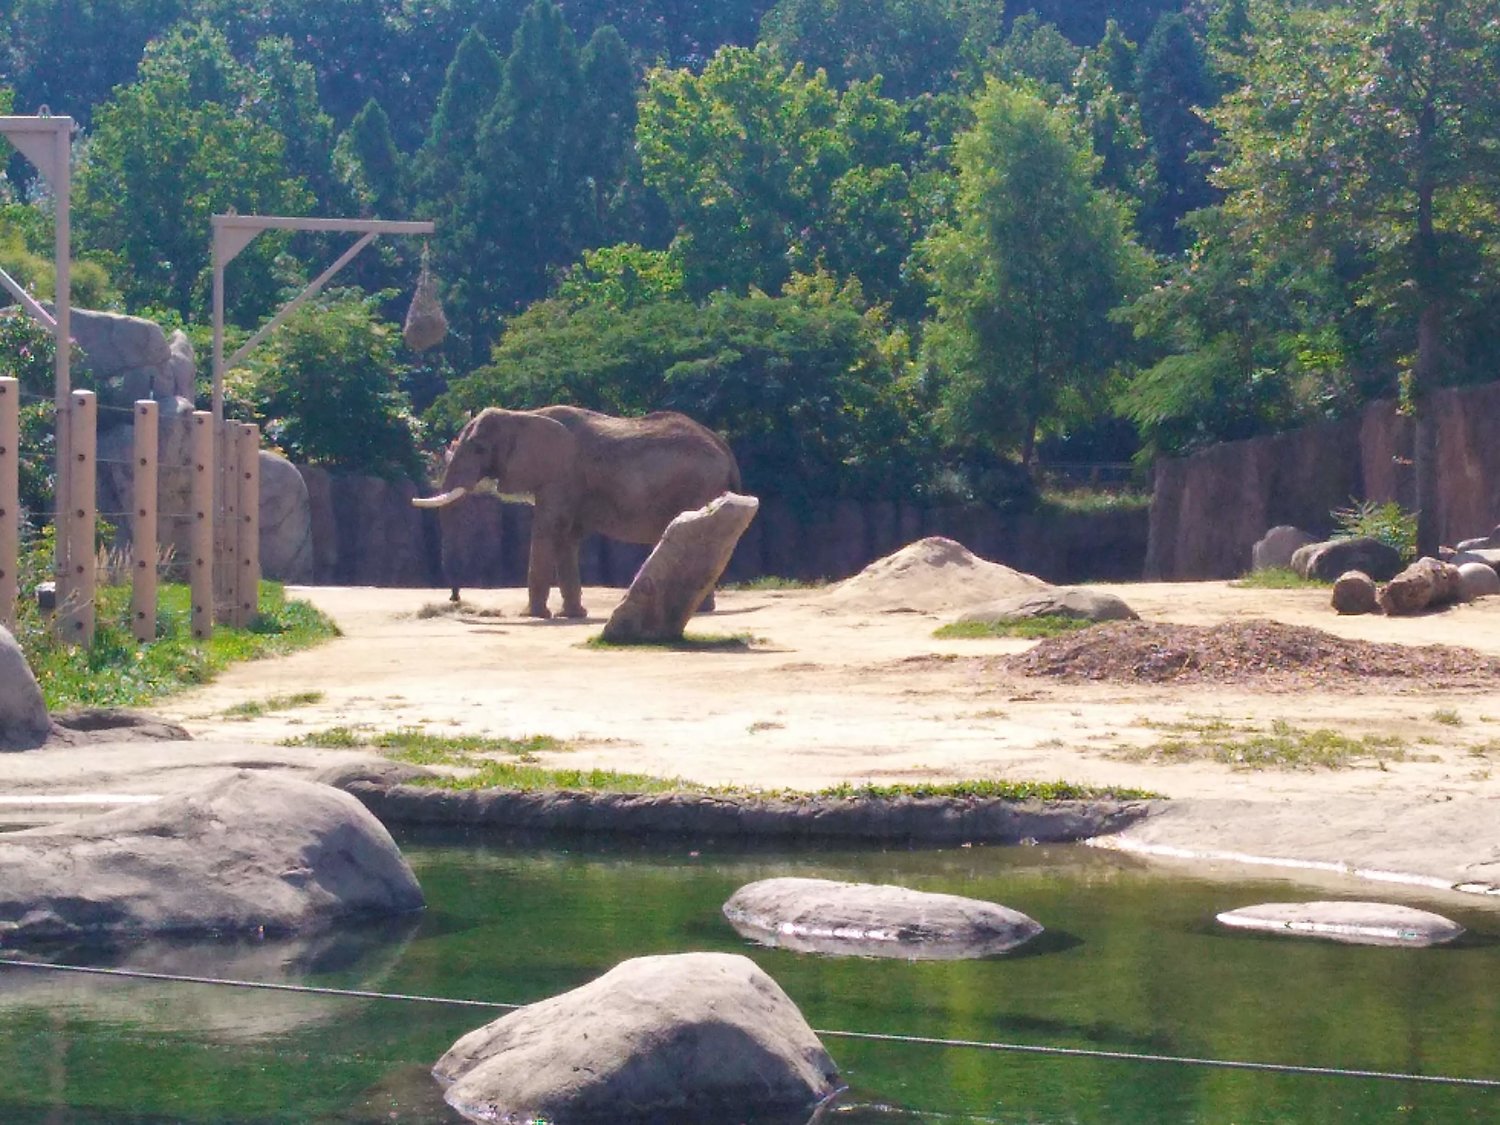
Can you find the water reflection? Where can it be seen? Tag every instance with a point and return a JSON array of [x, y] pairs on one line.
[[369, 950]]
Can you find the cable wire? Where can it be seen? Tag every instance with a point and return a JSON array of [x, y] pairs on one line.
[[865, 1036]]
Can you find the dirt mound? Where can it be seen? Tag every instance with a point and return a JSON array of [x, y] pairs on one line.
[[1152, 652], [932, 575]]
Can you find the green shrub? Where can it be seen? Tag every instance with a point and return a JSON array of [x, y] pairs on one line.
[[1385, 520]]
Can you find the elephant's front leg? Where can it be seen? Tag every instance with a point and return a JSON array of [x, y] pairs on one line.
[[568, 580], [541, 569]]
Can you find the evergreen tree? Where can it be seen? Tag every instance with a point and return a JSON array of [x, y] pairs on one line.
[[1172, 85], [368, 164]]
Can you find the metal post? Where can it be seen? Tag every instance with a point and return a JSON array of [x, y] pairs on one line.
[[143, 529], [10, 499]]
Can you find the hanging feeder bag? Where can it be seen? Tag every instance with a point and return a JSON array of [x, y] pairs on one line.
[[425, 324]]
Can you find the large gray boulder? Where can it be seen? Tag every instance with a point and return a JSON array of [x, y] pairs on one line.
[[680, 572], [1477, 580], [1482, 543], [1274, 550], [180, 379], [24, 724], [286, 535], [248, 853], [128, 356], [1077, 602], [1356, 923], [869, 920], [1327, 560], [682, 1037]]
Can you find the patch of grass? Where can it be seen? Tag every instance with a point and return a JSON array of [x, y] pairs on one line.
[[1095, 500], [1448, 717], [776, 582], [1278, 578], [690, 642], [1282, 747], [253, 708], [992, 789], [116, 671], [450, 609], [1026, 628]]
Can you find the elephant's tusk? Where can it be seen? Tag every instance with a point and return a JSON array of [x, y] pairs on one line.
[[439, 501]]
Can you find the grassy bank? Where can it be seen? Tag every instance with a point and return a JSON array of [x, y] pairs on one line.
[[117, 671]]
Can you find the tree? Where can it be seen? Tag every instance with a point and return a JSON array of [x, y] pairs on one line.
[[1172, 85], [1037, 52], [913, 46], [1027, 277], [367, 162], [167, 152], [326, 387], [810, 387], [1369, 131], [768, 170]]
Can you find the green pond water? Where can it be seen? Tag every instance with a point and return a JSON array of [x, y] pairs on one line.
[[1132, 961]]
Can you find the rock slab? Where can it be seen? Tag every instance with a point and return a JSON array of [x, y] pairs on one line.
[[1077, 602], [1356, 923], [1327, 560], [690, 1037], [24, 724], [870, 920], [247, 853], [680, 572]]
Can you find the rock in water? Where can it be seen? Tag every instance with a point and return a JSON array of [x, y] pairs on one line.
[[245, 853], [863, 919], [1357, 923], [688, 1037]]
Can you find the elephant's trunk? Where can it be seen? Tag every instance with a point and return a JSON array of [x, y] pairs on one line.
[[442, 500]]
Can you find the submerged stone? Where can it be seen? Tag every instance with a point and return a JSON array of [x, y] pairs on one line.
[[689, 1037], [870, 920], [1358, 923]]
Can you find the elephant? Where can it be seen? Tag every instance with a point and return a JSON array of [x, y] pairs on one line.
[[625, 478]]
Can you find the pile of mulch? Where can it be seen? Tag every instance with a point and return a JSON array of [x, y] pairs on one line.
[[1244, 652]]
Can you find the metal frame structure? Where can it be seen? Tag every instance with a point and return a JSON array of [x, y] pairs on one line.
[[231, 234], [47, 142]]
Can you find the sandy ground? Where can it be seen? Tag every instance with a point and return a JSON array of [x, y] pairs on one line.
[[849, 685]]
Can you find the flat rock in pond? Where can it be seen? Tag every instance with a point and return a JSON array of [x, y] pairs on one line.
[[869, 920], [688, 1037], [1357, 923], [1077, 602], [245, 853]]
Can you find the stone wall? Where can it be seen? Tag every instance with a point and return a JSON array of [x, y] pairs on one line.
[[366, 533], [1208, 510]]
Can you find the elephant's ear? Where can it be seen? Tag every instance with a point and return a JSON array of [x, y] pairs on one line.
[[541, 452]]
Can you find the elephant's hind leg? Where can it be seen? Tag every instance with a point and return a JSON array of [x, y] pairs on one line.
[[568, 580]]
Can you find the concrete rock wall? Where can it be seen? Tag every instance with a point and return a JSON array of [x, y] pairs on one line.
[[1208, 510], [365, 532]]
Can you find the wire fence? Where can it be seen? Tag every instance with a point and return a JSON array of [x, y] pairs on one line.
[[170, 508]]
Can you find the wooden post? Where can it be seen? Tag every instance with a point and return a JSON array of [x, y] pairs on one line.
[[226, 527], [10, 499], [143, 538], [201, 565], [249, 528], [76, 617]]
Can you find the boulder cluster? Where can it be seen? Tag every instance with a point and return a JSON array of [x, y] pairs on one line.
[[1368, 576]]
